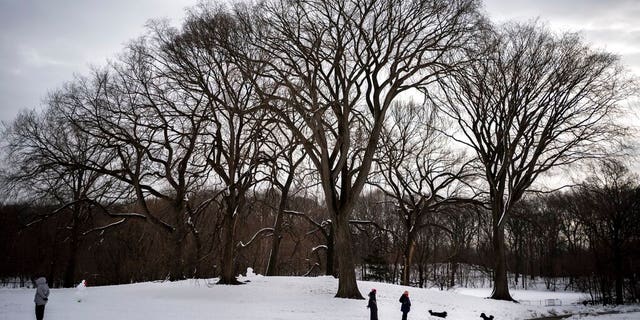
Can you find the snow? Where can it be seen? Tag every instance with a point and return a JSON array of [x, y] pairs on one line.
[[81, 291], [282, 298], [529, 296], [629, 316]]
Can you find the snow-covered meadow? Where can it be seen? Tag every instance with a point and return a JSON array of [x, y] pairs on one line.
[[284, 298]]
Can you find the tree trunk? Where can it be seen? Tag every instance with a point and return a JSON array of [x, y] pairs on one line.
[[500, 281], [70, 269], [408, 260], [227, 275], [177, 237], [272, 266], [347, 285], [177, 263], [617, 261], [195, 271], [454, 269]]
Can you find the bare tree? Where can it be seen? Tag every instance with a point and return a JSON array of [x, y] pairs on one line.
[[610, 212], [530, 102], [285, 163], [335, 68], [461, 220], [138, 111], [42, 150], [202, 58], [421, 174]]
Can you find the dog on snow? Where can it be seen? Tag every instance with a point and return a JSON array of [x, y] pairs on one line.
[[438, 314]]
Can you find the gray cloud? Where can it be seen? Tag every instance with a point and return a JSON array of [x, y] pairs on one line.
[[611, 25], [574, 12], [44, 43]]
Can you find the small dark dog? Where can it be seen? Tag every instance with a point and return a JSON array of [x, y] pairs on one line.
[[484, 317], [438, 314]]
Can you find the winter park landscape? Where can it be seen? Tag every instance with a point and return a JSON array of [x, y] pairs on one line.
[[290, 298], [320, 159]]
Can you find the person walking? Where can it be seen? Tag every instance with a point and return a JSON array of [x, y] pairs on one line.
[[373, 305], [42, 296], [405, 306]]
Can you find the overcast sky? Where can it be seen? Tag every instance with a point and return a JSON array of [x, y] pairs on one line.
[[44, 42]]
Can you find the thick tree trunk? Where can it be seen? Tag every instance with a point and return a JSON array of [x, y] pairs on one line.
[[454, 270], [409, 252], [501, 283], [177, 271], [227, 275], [347, 284], [70, 268], [177, 262]]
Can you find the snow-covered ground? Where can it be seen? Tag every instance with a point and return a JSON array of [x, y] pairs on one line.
[[281, 298]]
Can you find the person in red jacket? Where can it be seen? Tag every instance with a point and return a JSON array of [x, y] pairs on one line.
[[405, 304], [373, 305]]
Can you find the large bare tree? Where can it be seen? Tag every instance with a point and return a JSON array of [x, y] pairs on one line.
[[336, 67], [203, 60], [137, 110], [530, 102]]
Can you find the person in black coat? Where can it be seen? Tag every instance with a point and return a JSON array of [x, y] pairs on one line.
[[406, 304], [373, 305]]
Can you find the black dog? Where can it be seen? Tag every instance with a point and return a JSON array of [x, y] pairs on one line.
[[438, 314], [484, 316]]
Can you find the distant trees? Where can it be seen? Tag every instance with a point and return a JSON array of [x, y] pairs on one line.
[[586, 235], [530, 101], [608, 207]]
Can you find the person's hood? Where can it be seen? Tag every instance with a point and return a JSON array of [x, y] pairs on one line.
[[41, 281]]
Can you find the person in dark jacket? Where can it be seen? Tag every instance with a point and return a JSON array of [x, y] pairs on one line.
[[405, 304], [42, 296], [373, 305]]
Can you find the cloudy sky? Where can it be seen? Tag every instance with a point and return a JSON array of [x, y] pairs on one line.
[[43, 43]]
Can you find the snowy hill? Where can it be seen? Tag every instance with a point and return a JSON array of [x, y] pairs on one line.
[[276, 298]]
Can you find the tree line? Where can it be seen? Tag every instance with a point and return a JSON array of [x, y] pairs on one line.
[[297, 136]]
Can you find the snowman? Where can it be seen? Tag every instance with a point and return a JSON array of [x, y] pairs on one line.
[[81, 291]]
